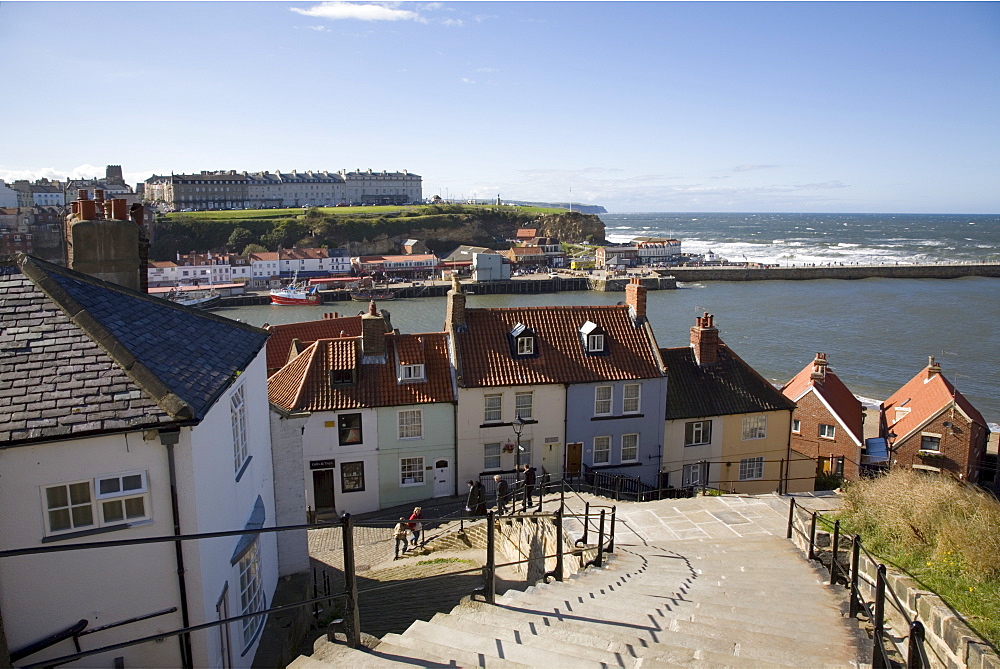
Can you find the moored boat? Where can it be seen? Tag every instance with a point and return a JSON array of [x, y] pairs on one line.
[[369, 295], [200, 299], [296, 294]]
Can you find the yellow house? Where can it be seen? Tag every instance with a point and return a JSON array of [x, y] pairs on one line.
[[727, 427]]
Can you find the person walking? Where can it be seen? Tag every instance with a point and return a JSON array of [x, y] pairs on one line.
[[416, 526], [401, 530], [476, 505], [529, 485], [503, 494]]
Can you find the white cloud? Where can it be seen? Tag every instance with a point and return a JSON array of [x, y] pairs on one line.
[[319, 29], [751, 168], [457, 23], [80, 172], [466, 80], [338, 11]]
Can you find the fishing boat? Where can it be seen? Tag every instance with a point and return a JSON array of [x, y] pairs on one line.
[[208, 298], [369, 295], [296, 293]]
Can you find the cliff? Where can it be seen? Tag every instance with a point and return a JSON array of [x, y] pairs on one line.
[[485, 228]]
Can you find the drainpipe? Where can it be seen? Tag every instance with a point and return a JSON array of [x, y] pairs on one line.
[[170, 438], [788, 455]]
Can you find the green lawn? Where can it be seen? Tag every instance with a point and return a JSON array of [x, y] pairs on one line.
[[419, 209]]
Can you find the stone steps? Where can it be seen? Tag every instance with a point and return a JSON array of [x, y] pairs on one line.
[[716, 601]]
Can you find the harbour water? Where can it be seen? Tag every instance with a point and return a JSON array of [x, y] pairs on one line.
[[877, 333]]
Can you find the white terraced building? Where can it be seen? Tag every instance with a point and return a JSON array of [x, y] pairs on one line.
[[229, 189]]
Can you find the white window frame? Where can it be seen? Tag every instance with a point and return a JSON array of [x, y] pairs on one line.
[[923, 440], [827, 431], [752, 469], [251, 592], [238, 413], [754, 427], [522, 408], [525, 455], [410, 423], [633, 447], [122, 497], [491, 455], [96, 502], [796, 426], [413, 372], [595, 343], [492, 414], [691, 475], [636, 400], [602, 445], [413, 466], [698, 433], [603, 406], [526, 345]]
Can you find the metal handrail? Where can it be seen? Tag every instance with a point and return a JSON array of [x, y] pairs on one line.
[[916, 655]]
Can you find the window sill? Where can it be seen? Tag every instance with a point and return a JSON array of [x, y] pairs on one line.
[[612, 417], [94, 531], [704, 443], [243, 468], [411, 485]]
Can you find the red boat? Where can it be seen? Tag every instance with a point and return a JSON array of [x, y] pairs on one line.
[[296, 293]]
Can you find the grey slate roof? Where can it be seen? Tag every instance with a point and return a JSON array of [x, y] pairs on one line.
[[81, 356], [730, 386]]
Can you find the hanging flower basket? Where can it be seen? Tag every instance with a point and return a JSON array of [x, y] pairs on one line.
[[508, 448]]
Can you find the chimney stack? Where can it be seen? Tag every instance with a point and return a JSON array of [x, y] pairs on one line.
[[373, 334], [819, 368], [635, 298], [454, 320], [933, 368], [705, 340]]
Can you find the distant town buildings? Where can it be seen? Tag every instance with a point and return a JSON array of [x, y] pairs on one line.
[[230, 189]]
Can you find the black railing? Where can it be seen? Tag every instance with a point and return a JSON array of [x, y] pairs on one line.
[[851, 577], [351, 537]]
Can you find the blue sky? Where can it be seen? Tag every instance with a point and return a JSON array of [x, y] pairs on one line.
[[648, 106]]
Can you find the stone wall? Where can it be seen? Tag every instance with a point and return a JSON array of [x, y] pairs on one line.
[[696, 274], [949, 642], [532, 538]]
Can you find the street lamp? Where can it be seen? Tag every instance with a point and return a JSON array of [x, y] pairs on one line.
[[518, 425]]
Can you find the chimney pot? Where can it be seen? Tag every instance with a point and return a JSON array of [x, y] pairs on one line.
[[82, 194], [705, 340]]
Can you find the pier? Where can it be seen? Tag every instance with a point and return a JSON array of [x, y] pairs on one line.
[[661, 279]]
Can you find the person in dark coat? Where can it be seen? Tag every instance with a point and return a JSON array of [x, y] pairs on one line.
[[529, 485], [503, 494], [476, 506]]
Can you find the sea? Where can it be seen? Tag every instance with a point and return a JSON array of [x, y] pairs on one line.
[[877, 333]]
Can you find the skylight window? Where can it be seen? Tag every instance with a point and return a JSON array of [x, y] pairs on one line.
[[522, 340]]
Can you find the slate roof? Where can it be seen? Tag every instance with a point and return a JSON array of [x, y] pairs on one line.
[[486, 358], [925, 398], [728, 387], [845, 405], [80, 356], [306, 332], [304, 384]]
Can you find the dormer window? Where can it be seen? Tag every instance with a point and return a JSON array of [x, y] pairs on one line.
[[341, 377], [593, 338], [522, 340], [411, 373]]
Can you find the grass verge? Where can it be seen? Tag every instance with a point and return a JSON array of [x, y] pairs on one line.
[[944, 534]]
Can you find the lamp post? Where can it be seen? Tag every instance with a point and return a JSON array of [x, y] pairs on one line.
[[518, 425]]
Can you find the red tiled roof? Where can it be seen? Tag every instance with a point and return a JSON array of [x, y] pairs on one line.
[[264, 255], [842, 401], [297, 254], [527, 233], [304, 384], [925, 398], [485, 351], [307, 332]]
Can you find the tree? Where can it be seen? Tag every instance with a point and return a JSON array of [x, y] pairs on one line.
[[240, 238], [253, 248]]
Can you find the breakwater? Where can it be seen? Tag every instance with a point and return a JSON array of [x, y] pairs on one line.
[[779, 273]]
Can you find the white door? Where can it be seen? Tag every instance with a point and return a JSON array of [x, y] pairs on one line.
[[442, 478]]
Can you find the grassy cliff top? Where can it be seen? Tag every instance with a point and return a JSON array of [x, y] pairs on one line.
[[355, 212]]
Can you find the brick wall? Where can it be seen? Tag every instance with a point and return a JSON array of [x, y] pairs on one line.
[[811, 412], [962, 447]]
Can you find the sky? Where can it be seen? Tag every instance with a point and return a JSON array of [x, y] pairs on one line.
[[636, 106]]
